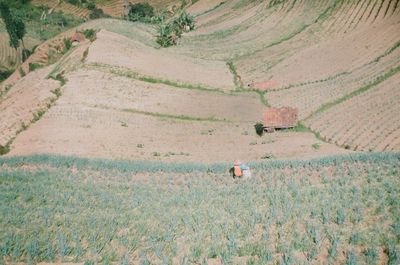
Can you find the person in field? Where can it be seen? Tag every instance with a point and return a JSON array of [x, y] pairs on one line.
[[240, 170]]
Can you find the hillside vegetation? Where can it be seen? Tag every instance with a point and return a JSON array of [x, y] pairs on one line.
[[40, 26]]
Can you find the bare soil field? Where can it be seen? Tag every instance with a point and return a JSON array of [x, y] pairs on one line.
[[158, 63], [365, 122], [26, 101], [127, 98], [101, 114]]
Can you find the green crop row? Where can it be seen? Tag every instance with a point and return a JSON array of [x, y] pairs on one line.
[[68, 209]]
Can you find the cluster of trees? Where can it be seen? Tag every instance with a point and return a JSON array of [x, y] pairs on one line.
[[89, 4], [15, 26], [169, 29], [140, 12]]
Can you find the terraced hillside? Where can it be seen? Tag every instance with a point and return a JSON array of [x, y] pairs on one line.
[[310, 55], [40, 25], [114, 8], [327, 58], [9, 57], [63, 6]]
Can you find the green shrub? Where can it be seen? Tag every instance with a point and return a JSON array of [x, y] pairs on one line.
[[34, 66], [67, 44], [140, 11], [90, 34], [4, 74], [167, 35], [97, 13], [4, 149], [21, 72], [259, 128], [91, 5], [184, 21], [25, 54], [171, 31], [73, 2]]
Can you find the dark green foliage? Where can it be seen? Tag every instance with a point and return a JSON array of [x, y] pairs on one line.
[[140, 12], [73, 2], [26, 53], [91, 5], [14, 25], [167, 35], [171, 31], [4, 150], [259, 128], [97, 13], [184, 21], [4, 74], [67, 44], [34, 66], [90, 34], [37, 26]]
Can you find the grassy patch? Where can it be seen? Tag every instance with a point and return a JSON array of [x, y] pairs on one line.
[[236, 77], [21, 72], [5, 149], [130, 74], [316, 146], [34, 66]]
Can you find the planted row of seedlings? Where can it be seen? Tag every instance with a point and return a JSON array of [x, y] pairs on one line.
[[289, 213]]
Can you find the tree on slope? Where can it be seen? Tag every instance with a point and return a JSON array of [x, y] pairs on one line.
[[15, 26]]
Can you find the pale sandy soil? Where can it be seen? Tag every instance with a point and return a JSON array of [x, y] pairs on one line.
[[94, 132], [108, 116], [337, 55], [98, 88], [158, 63], [105, 111], [26, 98]]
